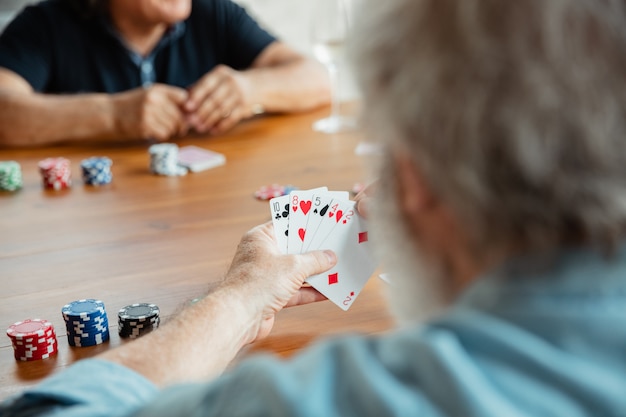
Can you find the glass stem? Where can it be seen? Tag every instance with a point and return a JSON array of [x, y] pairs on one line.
[[333, 72]]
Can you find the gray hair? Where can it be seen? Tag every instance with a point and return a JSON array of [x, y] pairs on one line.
[[514, 110]]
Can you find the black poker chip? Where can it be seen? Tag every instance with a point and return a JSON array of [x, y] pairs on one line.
[[135, 320]]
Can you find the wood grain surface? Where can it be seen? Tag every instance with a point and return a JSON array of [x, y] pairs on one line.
[[147, 238]]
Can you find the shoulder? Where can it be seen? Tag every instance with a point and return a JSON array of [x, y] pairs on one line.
[[48, 9], [43, 16], [350, 376]]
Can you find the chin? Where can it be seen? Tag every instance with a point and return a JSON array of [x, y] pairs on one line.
[[175, 11]]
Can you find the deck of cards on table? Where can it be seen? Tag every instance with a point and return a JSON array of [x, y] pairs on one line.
[[307, 220]]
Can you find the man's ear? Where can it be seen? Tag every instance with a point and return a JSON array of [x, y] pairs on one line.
[[414, 194]]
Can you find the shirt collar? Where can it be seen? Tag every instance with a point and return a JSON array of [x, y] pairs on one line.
[[172, 34], [568, 273]]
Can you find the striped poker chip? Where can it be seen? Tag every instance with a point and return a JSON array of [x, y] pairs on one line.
[[96, 170], [29, 328], [138, 319], [33, 339], [86, 322], [83, 309], [139, 311], [267, 192], [164, 160], [10, 176], [55, 173]]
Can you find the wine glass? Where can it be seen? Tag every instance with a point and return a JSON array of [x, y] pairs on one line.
[[329, 30]]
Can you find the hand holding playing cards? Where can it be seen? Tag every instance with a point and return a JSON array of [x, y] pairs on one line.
[[315, 219], [268, 280]]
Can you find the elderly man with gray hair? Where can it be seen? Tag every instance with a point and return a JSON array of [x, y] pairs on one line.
[[500, 213]]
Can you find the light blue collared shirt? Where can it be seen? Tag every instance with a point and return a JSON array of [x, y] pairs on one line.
[[540, 336]]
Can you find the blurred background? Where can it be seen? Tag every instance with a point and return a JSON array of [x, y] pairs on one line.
[[287, 19]]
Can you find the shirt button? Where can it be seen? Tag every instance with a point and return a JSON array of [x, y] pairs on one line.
[[146, 67]]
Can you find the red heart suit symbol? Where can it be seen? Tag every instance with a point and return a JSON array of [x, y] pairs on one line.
[[301, 233], [339, 215], [305, 206]]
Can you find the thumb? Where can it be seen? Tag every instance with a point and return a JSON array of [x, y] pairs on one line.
[[177, 95], [318, 261]]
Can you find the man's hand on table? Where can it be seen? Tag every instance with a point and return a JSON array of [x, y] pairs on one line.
[[218, 101], [154, 112]]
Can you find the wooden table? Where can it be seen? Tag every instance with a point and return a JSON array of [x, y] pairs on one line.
[[148, 238]]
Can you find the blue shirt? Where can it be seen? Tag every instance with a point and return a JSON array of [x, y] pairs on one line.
[[57, 51], [540, 336]]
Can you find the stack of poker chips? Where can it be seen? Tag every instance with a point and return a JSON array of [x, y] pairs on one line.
[[56, 173], [138, 319], [267, 192], [86, 322], [33, 339], [96, 170], [164, 160], [10, 176]]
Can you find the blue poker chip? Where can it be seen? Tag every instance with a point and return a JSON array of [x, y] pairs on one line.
[[85, 309], [289, 188], [86, 322], [97, 170]]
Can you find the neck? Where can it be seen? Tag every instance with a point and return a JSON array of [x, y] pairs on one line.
[[141, 37]]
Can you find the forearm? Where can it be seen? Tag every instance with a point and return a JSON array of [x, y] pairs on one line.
[[296, 86], [197, 344], [36, 119]]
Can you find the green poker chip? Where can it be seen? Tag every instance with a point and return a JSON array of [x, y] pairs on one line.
[[10, 176]]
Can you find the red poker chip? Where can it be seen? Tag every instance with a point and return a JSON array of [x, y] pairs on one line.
[[33, 339], [56, 173], [29, 328], [268, 192], [35, 352]]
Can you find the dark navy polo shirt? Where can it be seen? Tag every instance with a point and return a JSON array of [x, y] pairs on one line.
[[57, 51]]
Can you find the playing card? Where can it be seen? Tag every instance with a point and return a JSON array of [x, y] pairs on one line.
[[321, 205], [198, 159], [279, 208], [339, 212], [280, 211], [303, 206], [349, 240]]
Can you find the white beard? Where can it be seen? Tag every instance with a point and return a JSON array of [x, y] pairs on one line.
[[418, 283]]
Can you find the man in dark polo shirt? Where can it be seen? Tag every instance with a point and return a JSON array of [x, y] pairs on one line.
[[75, 70]]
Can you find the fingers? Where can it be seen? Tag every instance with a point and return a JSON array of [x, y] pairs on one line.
[[203, 89], [176, 95], [218, 101], [150, 113], [219, 106], [169, 121], [305, 295], [363, 199], [316, 262], [363, 207]]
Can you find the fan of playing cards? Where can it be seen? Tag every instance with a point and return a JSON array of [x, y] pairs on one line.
[[307, 220]]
